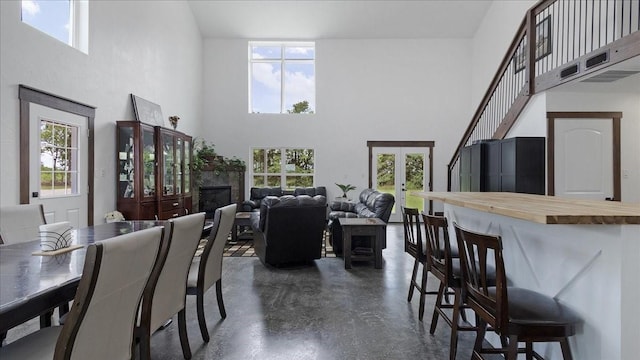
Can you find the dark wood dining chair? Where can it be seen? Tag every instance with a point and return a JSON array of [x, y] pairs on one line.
[[414, 245], [516, 314], [444, 264], [206, 269], [167, 296], [101, 322]]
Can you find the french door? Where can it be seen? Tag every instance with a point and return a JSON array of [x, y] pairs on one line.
[[400, 171]]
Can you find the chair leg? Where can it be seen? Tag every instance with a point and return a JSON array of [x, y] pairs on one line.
[[480, 332], [528, 350], [423, 291], [201, 319], [413, 279], [436, 307], [45, 319], [566, 349], [453, 347], [144, 338], [182, 330], [512, 350], [223, 312]]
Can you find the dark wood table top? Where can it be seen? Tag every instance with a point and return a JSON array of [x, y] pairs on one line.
[[28, 282], [30, 285]]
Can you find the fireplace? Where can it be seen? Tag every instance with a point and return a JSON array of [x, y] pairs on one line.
[[213, 197]]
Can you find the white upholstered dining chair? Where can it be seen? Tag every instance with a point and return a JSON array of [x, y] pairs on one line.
[[20, 223], [206, 269], [168, 297], [101, 322]]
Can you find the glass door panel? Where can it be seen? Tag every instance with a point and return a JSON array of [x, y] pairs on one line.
[[178, 166], [148, 163], [187, 167], [168, 162], [414, 179], [126, 173], [386, 175]]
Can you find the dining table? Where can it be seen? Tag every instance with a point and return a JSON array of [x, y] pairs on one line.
[[32, 285]]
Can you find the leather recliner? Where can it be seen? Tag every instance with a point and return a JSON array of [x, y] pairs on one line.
[[289, 229], [371, 204]]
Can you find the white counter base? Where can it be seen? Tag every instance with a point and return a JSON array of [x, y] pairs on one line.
[[594, 269]]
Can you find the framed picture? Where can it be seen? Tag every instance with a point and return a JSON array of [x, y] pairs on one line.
[[543, 45], [146, 111]]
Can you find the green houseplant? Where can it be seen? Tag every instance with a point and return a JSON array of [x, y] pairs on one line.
[[345, 189]]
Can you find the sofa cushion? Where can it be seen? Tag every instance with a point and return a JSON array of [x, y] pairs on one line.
[[311, 191]]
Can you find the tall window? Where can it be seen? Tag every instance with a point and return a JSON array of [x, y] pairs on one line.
[[65, 20], [283, 167], [58, 159], [282, 77]]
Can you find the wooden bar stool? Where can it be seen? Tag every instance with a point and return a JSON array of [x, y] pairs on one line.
[[414, 245], [517, 314], [444, 264]]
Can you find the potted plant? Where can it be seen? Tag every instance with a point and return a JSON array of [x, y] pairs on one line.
[[345, 189], [204, 155]]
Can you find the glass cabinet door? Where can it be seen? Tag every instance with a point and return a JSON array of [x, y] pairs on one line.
[[148, 163], [168, 164], [178, 165], [186, 174], [126, 157]]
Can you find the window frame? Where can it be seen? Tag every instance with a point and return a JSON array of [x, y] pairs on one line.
[[283, 61], [78, 32], [283, 174], [70, 147]]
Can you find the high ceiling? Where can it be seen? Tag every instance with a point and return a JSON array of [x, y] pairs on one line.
[[346, 19]]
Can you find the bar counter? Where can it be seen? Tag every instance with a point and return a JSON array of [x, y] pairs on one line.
[[585, 253]]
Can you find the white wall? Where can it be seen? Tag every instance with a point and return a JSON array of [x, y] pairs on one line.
[[365, 90], [629, 105], [153, 51]]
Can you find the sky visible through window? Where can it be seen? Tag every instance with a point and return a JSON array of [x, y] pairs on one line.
[[270, 87], [48, 16]]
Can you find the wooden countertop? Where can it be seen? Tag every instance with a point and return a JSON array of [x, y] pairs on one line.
[[541, 208]]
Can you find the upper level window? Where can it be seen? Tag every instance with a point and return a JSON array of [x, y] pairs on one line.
[[282, 77], [65, 20]]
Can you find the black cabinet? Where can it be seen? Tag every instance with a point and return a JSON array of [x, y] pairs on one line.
[[473, 167], [513, 165]]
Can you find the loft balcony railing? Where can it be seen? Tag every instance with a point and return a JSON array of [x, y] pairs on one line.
[[572, 38]]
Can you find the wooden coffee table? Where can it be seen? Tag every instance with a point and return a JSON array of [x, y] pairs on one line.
[[243, 219], [373, 227]]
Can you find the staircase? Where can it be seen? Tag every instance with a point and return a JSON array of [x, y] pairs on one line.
[[571, 39]]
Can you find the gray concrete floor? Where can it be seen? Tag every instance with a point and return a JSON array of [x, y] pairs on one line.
[[320, 311]]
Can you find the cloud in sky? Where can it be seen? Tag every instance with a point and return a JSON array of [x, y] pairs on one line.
[[30, 7], [267, 74]]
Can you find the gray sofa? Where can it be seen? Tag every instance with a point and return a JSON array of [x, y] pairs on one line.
[[258, 193]]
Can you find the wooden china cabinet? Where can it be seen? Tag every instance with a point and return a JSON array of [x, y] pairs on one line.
[[153, 171], [174, 164]]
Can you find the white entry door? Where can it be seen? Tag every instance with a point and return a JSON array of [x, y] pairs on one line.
[[59, 164], [399, 171], [583, 162]]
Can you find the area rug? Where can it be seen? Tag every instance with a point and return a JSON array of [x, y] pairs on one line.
[[244, 248]]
